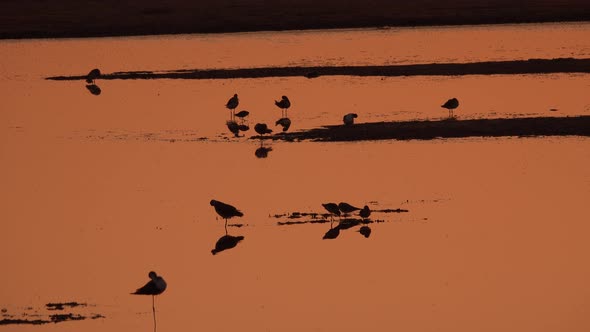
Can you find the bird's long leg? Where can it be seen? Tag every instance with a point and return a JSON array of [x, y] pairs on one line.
[[225, 226], [154, 310]]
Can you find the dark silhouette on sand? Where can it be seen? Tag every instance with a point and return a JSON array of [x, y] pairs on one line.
[[284, 122], [226, 242], [348, 119], [365, 212], [232, 104], [92, 75], [154, 287], [226, 211], [333, 209], [284, 105], [242, 115], [451, 104], [347, 208]]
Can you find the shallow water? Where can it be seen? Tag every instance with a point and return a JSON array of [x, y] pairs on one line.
[[99, 190]]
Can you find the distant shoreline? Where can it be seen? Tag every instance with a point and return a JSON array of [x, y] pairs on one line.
[[86, 18]]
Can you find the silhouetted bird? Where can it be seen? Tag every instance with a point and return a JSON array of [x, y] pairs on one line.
[[92, 75], [284, 122], [226, 242], [348, 119], [347, 208], [262, 152], [242, 115], [365, 212], [451, 104], [154, 287], [332, 208], [232, 103], [365, 231], [94, 89], [284, 105], [226, 211], [262, 128], [243, 127], [233, 127]]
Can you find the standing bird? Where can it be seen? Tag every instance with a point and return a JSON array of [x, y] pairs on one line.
[[332, 208], [233, 127], [347, 208], [365, 212], [232, 104], [451, 104], [92, 75], [226, 211], [348, 119], [154, 287], [284, 122], [242, 114], [284, 105]]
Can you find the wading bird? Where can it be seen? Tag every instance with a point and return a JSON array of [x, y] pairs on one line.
[[154, 287], [348, 119], [233, 127], [232, 104], [451, 104], [332, 208], [92, 75], [226, 211], [347, 208], [284, 105], [365, 212], [242, 114]]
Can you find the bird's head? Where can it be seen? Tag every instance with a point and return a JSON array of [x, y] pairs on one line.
[[213, 202], [152, 275]]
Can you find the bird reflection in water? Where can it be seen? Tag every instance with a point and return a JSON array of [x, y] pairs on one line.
[[284, 122], [226, 242], [94, 89], [365, 231], [233, 127], [332, 233], [262, 152]]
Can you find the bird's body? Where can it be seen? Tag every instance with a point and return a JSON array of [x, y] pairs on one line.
[[243, 127], [226, 211], [365, 212], [451, 104], [232, 104], [155, 286], [283, 104], [92, 75], [347, 208], [284, 122], [242, 115], [332, 208], [348, 119], [262, 128]]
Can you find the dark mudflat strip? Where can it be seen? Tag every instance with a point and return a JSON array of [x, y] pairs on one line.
[[531, 66], [423, 130]]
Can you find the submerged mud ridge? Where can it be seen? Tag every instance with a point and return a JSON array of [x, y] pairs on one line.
[[449, 128], [531, 66], [32, 316]]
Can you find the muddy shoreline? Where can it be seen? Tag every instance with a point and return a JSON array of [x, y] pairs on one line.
[[531, 66], [448, 128]]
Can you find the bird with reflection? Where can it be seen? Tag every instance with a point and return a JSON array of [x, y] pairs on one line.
[[284, 122], [284, 105], [226, 211], [347, 208], [451, 104], [242, 115], [155, 286], [92, 75], [332, 208], [348, 119], [232, 104], [365, 212]]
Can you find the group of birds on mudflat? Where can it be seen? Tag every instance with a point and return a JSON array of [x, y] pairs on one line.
[[260, 128]]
